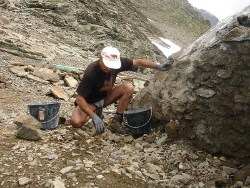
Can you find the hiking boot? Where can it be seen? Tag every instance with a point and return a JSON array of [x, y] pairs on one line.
[[116, 126], [98, 112]]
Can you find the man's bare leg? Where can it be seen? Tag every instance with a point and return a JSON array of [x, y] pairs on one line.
[[78, 117], [123, 93]]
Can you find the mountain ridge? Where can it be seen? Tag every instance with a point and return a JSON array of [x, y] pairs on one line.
[[213, 20], [178, 20]]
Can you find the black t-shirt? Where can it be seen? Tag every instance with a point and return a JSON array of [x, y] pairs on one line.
[[96, 83]]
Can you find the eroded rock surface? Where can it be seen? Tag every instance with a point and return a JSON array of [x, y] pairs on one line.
[[207, 90]]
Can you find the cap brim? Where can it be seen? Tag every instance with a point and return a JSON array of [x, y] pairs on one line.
[[112, 64]]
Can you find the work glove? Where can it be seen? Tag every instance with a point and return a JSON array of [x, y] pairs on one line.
[[98, 123], [166, 65]]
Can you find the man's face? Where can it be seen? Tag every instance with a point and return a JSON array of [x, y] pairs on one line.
[[103, 67]]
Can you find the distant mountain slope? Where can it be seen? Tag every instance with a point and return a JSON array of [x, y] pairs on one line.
[[178, 20], [208, 16]]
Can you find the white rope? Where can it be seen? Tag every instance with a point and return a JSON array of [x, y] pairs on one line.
[[51, 119], [144, 123]]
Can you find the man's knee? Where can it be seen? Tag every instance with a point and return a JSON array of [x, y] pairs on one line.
[[128, 88], [78, 118], [76, 123]]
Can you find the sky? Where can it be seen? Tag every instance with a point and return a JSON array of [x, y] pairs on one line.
[[220, 8]]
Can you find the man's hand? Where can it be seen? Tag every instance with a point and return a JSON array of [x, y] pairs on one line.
[[166, 65], [98, 123]]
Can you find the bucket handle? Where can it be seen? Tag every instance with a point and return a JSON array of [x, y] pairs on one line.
[[50, 119], [144, 123]]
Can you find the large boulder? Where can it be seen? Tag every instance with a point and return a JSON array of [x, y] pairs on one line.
[[207, 91]]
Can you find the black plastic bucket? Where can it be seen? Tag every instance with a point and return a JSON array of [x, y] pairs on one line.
[[47, 113], [138, 121]]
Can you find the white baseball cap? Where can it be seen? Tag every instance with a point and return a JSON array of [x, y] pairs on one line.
[[111, 57]]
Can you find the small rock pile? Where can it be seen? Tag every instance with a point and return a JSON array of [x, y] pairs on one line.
[[64, 82]]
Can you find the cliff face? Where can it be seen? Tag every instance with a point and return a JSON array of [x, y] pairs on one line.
[[207, 90], [213, 20], [48, 31]]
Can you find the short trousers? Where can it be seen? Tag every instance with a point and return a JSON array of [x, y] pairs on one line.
[[98, 104]]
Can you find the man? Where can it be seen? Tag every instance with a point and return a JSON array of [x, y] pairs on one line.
[[96, 91]]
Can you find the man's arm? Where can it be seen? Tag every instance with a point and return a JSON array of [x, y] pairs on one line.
[[98, 123], [144, 63], [82, 103], [149, 64]]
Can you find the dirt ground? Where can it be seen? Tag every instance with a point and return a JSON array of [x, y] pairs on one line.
[[39, 163], [14, 164], [69, 157]]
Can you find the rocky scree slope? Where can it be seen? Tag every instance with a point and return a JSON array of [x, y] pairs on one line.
[[87, 26], [82, 28]]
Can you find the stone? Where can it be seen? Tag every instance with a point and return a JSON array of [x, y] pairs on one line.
[[151, 168], [4, 20], [181, 179], [206, 93], [238, 184], [70, 81], [206, 90], [24, 181], [2, 85], [26, 119], [58, 184], [19, 71], [59, 93], [66, 169], [242, 174], [46, 74], [184, 166], [31, 68], [162, 140], [229, 170], [35, 78], [99, 177], [29, 132], [247, 182]]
